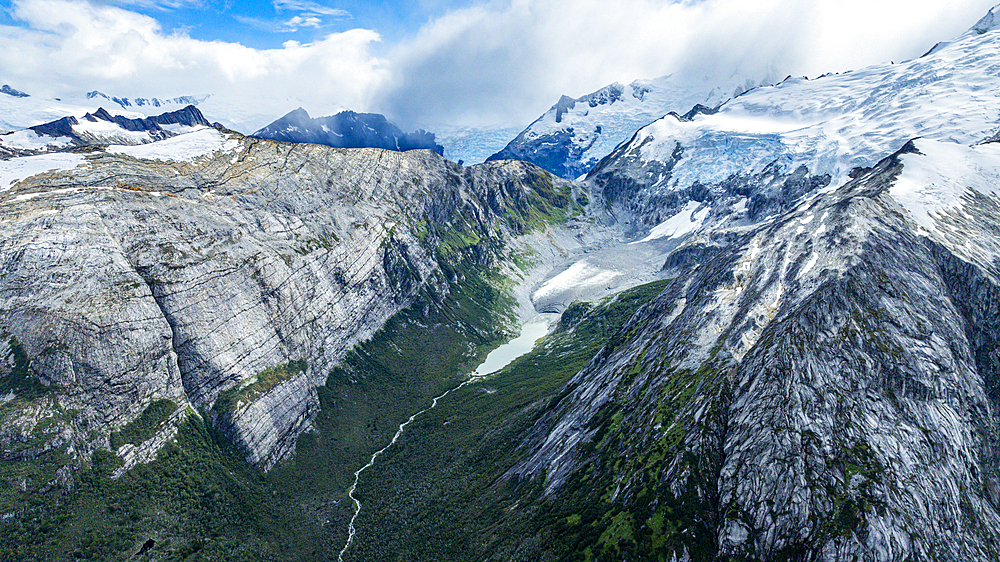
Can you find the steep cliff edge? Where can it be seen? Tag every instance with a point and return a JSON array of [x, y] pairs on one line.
[[224, 275], [822, 387]]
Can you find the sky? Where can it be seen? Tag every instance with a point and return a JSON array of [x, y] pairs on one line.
[[497, 63]]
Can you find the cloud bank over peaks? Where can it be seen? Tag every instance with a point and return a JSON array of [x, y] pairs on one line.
[[65, 47], [494, 63]]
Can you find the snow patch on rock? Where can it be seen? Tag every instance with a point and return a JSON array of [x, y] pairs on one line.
[[182, 148], [30, 140], [936, 179], [688, 220], [18, 169]]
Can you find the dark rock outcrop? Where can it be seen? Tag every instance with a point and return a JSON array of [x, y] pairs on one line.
[[5, 89], [347, 129]]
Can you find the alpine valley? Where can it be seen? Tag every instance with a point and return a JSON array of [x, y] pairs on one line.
[[772, 329]]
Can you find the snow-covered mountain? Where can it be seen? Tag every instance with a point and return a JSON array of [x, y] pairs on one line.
[[20, 110], [346, 129], [575, 133], [100, 127], [763, 151], [126, 103]]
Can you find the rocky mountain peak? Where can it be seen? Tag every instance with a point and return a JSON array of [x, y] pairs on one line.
[[988, 22], [5, 89], [347, 129]]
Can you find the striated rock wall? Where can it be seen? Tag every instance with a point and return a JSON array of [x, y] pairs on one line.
[[819, 388], [135, 278]]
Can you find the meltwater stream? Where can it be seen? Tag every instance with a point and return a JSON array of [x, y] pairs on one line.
[[499, 358]]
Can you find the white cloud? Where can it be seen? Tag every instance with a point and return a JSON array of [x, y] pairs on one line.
[[310, 8], [497, 62], [71, 46], [297, 22], [311, 14], [508, 61]]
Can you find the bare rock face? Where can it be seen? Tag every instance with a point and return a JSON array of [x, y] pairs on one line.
[[290, 406], [821, 387], [227, 278]]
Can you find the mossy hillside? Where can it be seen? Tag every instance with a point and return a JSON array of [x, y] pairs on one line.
[[625, 488], [546, 204], [17, 383], [146, 425], [257, 385], [199, 500], [470, 234], [439, 493], [34, 424]]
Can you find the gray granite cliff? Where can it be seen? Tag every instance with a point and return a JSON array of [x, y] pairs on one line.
[[245, 273]]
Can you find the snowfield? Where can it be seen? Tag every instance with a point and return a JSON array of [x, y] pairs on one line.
[[936, 180], [836, 123], [18, 169], [30, 140], [688, 220], [581, 276], [182, 148]]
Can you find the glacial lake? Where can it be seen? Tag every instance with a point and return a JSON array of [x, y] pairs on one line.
[[500, 357]]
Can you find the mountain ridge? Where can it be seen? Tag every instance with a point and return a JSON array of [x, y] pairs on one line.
[[100, 128], [569, 140], [347, 129]]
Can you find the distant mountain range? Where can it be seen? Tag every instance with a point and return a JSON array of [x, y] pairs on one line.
[[22, 109], [575, 133], [126, 103], [344, 130], [347, 129], [100, 127]]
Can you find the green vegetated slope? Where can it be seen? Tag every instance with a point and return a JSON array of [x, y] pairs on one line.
[[199, 500], [439, 494], [434, 496]]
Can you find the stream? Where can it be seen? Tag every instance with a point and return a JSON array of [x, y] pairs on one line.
[[497, 359]]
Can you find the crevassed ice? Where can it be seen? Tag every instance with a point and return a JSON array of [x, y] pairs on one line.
[[836, 123]]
